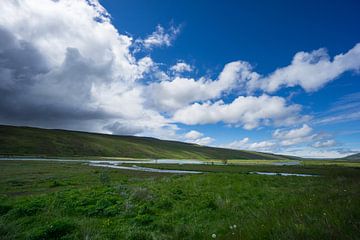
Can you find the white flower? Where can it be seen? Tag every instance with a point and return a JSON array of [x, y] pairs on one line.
[[234, 226], [213, 235]]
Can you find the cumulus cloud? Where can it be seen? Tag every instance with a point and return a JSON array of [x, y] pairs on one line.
[[294, 136], [180, 67], [310, 70], [160, 37], [248, 112], [75, 68], [193, 135], [284, 141], [326, 143], [246, 144], [198, 138], [178, 92], [304, 135], [204, 141], [309, 152], [146, 126]]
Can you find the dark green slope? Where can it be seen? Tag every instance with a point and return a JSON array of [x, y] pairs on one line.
[[27, 141], [353, 157]]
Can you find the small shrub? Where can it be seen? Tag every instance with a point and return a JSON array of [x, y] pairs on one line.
[[141, 194], [105, 178], [122, 190], [16, 183], [6, 230], [164, 203], [29, 207], [144, 219], [54, 230], [55, 183], [97, 202], [4, 209], [136, 234], [178, 194], [209, 202]]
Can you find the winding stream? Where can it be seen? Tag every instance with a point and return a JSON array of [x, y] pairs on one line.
[[118, 165]]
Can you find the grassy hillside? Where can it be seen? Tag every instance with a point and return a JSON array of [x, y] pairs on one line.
[[353, 157], [27, 141]]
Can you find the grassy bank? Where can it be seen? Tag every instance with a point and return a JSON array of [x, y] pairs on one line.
[[74, 201]]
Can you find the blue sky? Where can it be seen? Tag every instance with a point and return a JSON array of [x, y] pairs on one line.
[[237, 74], [265, 33]]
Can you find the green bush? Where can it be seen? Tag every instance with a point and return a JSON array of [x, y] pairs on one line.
[[4, 209], [55, 183], [29, 207], [141, 194], [136, 234], [105, 178], [101, 203], [55, 230], [164, 203]]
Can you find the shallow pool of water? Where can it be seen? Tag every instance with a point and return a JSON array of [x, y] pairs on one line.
[[293, 163], [284, 174], [143, 169]]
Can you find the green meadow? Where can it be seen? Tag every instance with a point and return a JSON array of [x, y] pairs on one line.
[[54, 200]]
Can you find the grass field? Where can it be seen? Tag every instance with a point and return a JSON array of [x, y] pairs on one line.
[[48, 200]]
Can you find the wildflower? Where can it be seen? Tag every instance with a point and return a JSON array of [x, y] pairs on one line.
[[234, 226], [231, 227], [213, 235]]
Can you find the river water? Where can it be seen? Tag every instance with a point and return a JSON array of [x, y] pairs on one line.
[[118, 165]]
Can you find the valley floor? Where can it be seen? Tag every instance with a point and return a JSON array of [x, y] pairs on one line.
[[72, 200]]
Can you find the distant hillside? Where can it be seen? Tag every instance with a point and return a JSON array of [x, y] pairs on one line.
[[27, 141], [353, 157]]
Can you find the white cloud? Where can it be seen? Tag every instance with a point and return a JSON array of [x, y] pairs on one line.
[[326, 143], [179, 92], [75, 67], [295, 139], [198, 138], [193, 135], [311, 70], [305, 130], [249, 112], [294, 136], [261, 145], [204, 141], [303, 135], [245, 144], [238, 144], [180, 67], [309, 152], [160, 37]]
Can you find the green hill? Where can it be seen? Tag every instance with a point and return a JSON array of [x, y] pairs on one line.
[[353, 157], [28, 141]]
